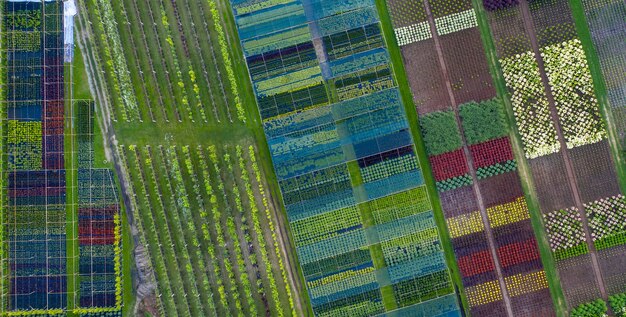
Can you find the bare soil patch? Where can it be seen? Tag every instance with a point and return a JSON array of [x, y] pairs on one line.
[[551, 183], [594, 171], [425, 76], [533, 304], [458, 201], [500, 189], [467, 66], [579, 284]]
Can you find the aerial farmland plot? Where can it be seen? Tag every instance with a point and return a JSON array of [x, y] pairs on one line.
[[313, 158]]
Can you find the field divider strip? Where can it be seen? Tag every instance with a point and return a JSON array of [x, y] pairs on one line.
[[471, 166], [530, 30]]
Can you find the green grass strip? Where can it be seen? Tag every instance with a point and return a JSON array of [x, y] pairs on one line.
[[547, 257]]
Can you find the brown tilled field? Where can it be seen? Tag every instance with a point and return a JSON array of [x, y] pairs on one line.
[[467, 66]]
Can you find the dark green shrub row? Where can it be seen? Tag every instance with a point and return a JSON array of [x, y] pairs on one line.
[[597, 308], [440, 132], [618, 304], [483, 121]]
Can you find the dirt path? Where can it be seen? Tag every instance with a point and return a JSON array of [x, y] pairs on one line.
[[573, 183], [283, 240], [142, 276], [470, 163]]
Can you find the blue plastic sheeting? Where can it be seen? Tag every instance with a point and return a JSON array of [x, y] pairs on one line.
[[374, 132], [41, 178], [311, 148], [372, 120], [320, 139], [297, 165], [336, 173], [356, 267], [354, 130], [319, 205], [270, 20], [418, 267], [323, 8], [331, 297], [393, 184], [28, 246], [445, 306], [273, 41], [358, 62], [315, 75], [331, 247], [378, 100], [404, 226], [40, 299], [383, 144], [347, 21], [298, 121]]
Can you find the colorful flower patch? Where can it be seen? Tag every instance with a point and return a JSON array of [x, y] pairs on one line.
[[526, 283], [596, 308], [449, 165], [413, 33], [572, 87], [530, 105], [456, 22], [408, 12], [476, 263], [508, 213], [483, 294], [518, 252], [565, 231], [493, 5], [609, 39], [496, 169], [465, 224], [607, 221], [454, 183], [492, 152], [441, 8]]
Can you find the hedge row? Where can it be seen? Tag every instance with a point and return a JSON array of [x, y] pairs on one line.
[[483, 121]]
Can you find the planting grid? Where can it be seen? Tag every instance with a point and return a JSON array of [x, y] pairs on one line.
[[99, 223], [608, 33], [467, 140], [42, 274], [546, 70], [162, 62], [165, 74], [355, 198], [209, 229], [34, 240]]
